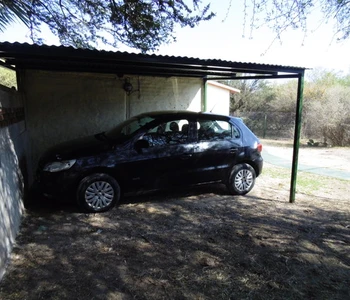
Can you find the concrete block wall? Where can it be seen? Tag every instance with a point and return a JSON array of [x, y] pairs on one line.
[[171, 93], [63, 106], [13, 152]]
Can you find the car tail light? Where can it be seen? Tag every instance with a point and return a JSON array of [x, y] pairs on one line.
[[259, 147]]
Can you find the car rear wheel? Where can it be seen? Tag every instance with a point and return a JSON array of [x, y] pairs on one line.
[[242, 179], [98, 192]]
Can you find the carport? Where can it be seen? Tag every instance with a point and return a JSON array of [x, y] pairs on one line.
[[25, 57]]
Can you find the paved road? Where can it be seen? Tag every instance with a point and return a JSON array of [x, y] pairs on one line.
[[287, 163]]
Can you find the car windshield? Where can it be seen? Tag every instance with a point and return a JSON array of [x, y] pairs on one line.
[[128, 127]]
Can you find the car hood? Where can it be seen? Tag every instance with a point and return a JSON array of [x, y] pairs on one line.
[[78, 148]]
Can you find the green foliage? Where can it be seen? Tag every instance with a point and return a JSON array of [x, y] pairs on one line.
[[10, 10], [345, 80], [141, 24], [8, 78]]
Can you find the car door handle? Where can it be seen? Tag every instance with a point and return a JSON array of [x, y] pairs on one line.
[[233, 150]]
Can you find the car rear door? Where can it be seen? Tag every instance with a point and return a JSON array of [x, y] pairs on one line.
[[218, 144]]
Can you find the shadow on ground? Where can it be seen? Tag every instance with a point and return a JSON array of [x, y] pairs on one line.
[[188, 244]]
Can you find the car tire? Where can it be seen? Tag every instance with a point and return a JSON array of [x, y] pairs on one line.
[[241, 179], [98, 192]]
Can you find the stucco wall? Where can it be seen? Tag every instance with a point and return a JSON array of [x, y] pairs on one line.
[[62, 106], [218, 100], [13, 141]]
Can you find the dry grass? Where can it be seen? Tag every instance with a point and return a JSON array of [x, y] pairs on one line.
[[198, 243]]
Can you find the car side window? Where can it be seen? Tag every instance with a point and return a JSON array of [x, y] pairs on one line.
[[216, 130], [229, 131], [173, 132], [235, 132]]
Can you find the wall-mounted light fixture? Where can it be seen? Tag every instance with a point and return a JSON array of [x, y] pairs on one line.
[[127, 86]]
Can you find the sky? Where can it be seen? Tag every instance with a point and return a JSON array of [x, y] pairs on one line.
[[225, 37]]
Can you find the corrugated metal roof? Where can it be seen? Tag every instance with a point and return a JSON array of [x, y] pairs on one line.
[[60, 58]]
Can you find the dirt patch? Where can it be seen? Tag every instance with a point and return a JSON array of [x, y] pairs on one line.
[[198, 243]]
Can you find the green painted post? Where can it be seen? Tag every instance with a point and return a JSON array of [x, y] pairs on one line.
[[205, 104], [265, 124], [299, 110]]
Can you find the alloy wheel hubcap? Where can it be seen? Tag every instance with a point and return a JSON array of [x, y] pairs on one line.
[[243, 180], [99, 194]]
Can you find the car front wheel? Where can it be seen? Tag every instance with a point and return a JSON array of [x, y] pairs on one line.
[[242, 179], [98, 192]]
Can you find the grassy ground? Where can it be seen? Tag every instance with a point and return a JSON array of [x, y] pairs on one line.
[[307, 183]]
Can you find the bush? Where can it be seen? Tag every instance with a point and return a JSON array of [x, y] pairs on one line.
[[337, 135]]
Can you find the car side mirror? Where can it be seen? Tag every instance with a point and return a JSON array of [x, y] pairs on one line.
[[140, 145]]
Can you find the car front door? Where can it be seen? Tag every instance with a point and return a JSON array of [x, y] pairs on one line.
[[162, 155]]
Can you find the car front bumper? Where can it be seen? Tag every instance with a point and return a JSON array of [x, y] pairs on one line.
[[55, 184]]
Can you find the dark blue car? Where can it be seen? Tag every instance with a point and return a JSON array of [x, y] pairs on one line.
[[152, 151]]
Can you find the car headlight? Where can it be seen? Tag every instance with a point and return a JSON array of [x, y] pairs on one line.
[[58, 166]]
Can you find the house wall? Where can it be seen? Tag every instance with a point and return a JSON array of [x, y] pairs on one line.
[[62, 106], [218, 100], [13, 153]]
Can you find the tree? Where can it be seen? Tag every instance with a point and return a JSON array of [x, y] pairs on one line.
[[146, 24], [281, 15], [254, 95], [12, 9], [327, 107], [141, 24], [269, 109]]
